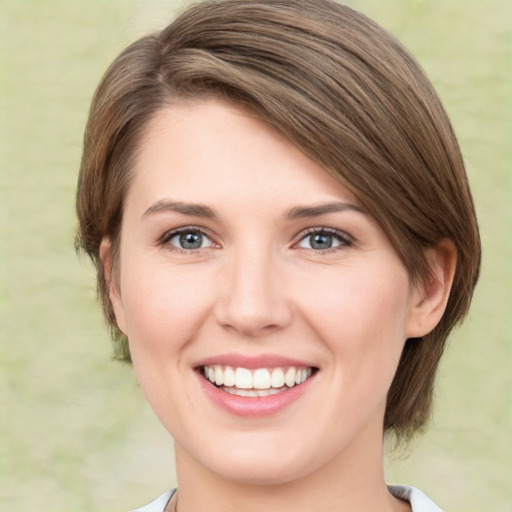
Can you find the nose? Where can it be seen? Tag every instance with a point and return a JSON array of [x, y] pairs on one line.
[[252, 295]]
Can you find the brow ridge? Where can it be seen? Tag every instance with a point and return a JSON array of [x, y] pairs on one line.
[[193, 209], [298, 212]]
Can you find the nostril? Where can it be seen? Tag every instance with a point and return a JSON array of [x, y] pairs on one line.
[[252, 319]]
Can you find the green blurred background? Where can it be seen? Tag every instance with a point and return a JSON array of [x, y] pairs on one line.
[[75, 433]]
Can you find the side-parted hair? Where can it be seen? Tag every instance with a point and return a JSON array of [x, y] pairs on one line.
[[344, 91]]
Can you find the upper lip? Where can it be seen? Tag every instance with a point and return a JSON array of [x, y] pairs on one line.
[[252, 362]]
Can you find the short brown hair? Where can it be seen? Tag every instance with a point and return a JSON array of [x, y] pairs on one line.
[[345, 92]]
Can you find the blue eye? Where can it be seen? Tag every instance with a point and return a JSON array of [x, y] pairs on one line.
[[322, 239], [188, 239]]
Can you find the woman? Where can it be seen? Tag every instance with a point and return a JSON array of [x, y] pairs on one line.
[[284, 236]]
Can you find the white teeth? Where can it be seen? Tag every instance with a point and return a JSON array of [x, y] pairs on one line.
[[261, 379], [251, 392], [243, 378], [290, 377], [246, 392], [229, 376], [267, 392], [277, 378], [258, 382], [219, 376]]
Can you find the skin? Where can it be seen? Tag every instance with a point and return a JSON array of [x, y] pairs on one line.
[[257, 286]]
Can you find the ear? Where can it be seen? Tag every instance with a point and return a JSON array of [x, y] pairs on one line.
[[430, 299], [114, 292]]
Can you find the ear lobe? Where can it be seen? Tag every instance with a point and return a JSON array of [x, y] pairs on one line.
[[430, 299], [112, 284]]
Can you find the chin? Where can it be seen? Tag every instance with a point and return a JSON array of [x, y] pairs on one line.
[[259, 463], [260, 474]]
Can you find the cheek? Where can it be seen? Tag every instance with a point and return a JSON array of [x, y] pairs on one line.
[[162, 307], [361, 316], [164, 310]]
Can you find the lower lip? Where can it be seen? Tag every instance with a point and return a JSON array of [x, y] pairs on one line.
[[254, 406]]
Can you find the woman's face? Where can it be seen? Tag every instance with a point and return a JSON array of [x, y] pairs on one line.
[[244, 263]]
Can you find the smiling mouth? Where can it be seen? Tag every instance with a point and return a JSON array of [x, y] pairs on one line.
[[255, 382]]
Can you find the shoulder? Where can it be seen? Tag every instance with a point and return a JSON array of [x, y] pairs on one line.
[[159, 504], [419, 502]]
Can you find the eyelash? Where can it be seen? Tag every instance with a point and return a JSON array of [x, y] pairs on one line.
[[165, 240], [341, 237]]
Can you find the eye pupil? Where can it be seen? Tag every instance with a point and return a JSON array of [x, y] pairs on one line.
[[191, 240], [320, 241]]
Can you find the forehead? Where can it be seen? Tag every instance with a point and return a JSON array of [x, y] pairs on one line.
[[215, 151]]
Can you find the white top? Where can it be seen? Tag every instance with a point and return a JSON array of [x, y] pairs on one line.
[[418, 501]]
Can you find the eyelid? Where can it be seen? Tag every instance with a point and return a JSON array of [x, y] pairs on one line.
[[345, 239], [170, 234]]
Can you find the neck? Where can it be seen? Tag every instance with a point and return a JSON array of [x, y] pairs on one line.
[[352, 481]]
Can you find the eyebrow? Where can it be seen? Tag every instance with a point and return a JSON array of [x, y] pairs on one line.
[[193, 209], [299, 212], [296, 212]]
